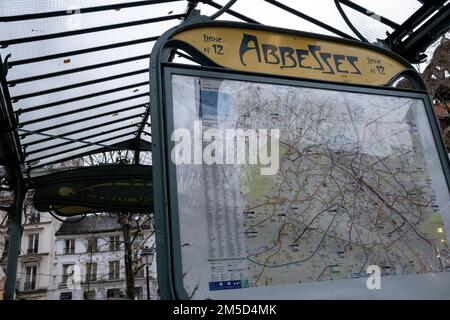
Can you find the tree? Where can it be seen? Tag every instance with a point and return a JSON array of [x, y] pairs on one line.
[[131, 228], [6, 199], [132, 224], [437, 78]]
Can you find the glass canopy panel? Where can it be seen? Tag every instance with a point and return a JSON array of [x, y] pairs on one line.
[[267, 14], [63, 127], [81, 104], [51, 25], [146, 135], [327, 12], [73, 62], [74, 154], [98, 65], [397, 11], [100, 141], [370, 28], [79, 77], [81, 91], [97, 122], [62, 145], [91, 112], [11, 8], [36, 142], [84, 41]]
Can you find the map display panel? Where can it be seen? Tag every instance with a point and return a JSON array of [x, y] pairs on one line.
[[358, 184]]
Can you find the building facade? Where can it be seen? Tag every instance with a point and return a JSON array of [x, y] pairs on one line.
[[3, 251], [89, 260], [5, 200], [35, 263], [35, 266]]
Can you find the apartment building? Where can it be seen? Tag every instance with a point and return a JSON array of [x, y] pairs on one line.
[[89, 260], [35, 267]]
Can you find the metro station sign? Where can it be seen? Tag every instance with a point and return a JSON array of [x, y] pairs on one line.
[[359, 181], [293, 55]]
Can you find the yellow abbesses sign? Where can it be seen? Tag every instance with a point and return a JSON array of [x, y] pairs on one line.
[[291, 55]]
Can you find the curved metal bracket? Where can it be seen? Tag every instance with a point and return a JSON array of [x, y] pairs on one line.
[[348, 22], [223, 10], [412, 76], [6, 66]]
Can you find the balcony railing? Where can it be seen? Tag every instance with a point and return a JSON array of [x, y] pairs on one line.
[[28, 286], [69, 250], [32, 250]]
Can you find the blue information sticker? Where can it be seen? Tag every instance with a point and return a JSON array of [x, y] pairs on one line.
[[227, 285]]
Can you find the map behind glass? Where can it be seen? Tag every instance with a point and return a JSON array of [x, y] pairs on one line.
[[354, 188]]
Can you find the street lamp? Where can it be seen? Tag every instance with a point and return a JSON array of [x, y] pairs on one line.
[[147, 253]]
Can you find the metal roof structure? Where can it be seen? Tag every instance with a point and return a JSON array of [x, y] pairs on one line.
[[74, 79], [101, 223]]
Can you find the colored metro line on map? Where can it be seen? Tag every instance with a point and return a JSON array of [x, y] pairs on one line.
[[353, 190]]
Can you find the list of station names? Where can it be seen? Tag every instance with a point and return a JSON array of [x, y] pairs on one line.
[[227, 250]]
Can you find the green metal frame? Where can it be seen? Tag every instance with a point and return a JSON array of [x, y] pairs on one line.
[[15, 234], [164, 171]]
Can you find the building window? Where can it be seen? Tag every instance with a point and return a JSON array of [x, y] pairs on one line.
[[114, 293], [33, 243], [5, 247], [114, 243], [69, 246], [33, 217], [139, 293], [30, 278], [138, 241], [89, 294], [114, 270], [140, 272], [91, 271], [92, 245], [67, 272], [65, 296]]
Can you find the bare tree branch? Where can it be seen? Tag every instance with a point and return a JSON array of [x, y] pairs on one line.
[[139, 229], [4, 220]]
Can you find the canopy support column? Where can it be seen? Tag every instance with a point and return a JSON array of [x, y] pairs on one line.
[[11, 157], [15, 236]]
